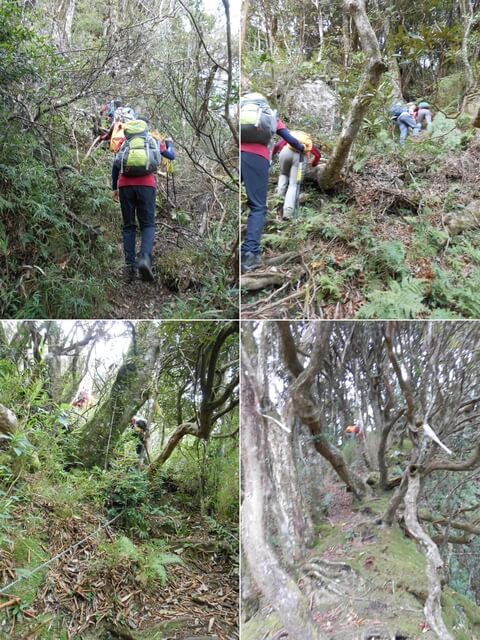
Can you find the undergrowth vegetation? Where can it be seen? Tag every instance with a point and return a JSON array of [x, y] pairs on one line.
[[396, 234], [399, 239], [60, 231], [120, 534]]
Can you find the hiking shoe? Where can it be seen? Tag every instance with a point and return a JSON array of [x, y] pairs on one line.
[[250, 261], [130, 273], [145, 268]]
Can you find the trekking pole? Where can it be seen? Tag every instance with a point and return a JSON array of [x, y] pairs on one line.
[[299, 185], [168, 195], [174, 190]]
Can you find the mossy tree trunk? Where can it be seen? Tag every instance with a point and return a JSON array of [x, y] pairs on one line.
[[129, 391]]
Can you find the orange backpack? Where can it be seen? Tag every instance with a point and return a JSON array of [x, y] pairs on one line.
[[118, 137]]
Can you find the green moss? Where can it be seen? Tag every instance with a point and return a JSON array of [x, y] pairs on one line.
[[258, 627], [461, 615], [327, 535], [377, 504]]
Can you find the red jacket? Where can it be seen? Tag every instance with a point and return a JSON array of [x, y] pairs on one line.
[[314, 151]]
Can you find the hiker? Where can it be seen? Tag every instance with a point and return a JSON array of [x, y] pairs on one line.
[[423, 114], [400, 115], [289, 160], [83, 399], [258, 124], [354, 431], [140, 429], [109, 109], [115, 134], [134, 186]]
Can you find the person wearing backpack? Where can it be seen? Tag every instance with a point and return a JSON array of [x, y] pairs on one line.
[[141, 431], [289, 160], [424, 114], [119, 117], [400, 116], [258, 124], [134, 186]]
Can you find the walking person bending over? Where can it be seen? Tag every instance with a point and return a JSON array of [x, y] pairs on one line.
[[258, 123], [289, 160], [134, 186], [401, 117], [140, 429], [424, 114]]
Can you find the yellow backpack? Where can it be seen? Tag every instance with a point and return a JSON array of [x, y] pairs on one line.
[[304, 139]]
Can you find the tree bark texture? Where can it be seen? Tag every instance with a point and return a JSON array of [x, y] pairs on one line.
[[329, 174], [277, 586], [294, 529], [432, 608]]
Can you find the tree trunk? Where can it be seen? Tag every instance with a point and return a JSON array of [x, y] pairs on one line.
[[306, 407], [243, 31], [277, 586], [329, 174], [397, 93], [292, 526], [189, 428], [432, 608], [129, 392], [216, 392]]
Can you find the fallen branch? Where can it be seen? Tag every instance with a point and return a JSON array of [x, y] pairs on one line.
[[260, 280], [283, 258], [93, 232], [10, 603]]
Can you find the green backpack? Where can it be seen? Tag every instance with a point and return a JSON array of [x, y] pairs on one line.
[[139, 154], [258, 122]]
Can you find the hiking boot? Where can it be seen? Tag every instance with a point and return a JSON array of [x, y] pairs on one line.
[[144, 264], [130, 273], [250, 261]]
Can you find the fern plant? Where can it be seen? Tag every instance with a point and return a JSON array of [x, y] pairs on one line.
[[402, 300], [154, 562], [387, 257]]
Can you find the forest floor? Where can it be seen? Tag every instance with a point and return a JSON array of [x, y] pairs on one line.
[[398, 239], [180, 288], [366, 582], [139, 299], [85, 596]]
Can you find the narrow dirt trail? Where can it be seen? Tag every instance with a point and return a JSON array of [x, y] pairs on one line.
[[139, 299]]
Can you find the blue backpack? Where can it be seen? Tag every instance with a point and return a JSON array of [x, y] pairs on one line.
[[397, 109]]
